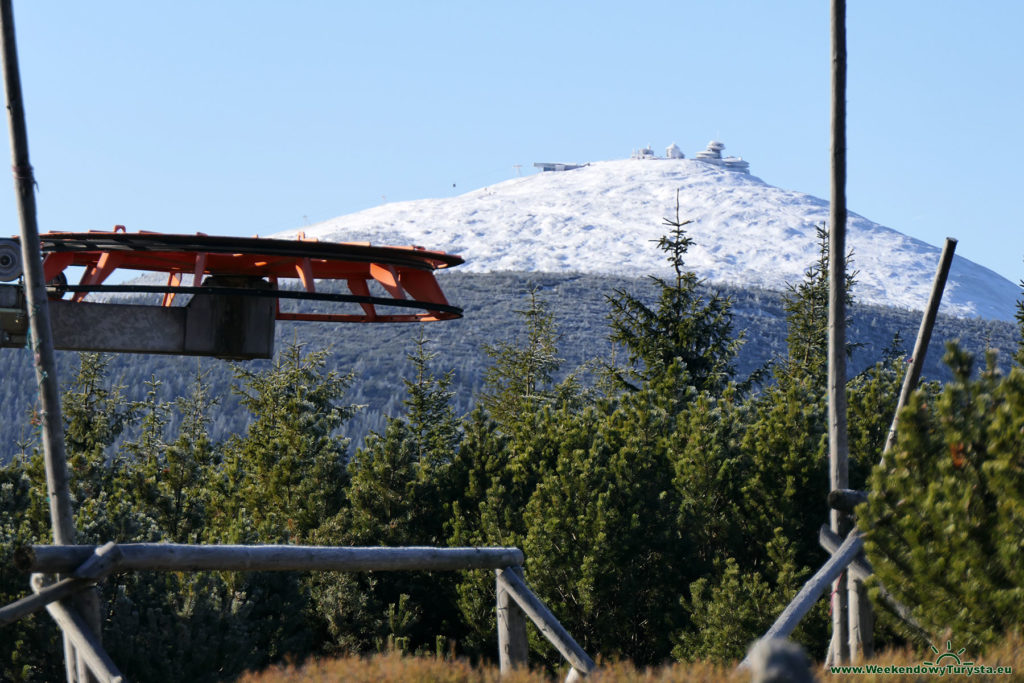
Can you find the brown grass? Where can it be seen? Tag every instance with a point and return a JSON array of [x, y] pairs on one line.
[[395, 668]]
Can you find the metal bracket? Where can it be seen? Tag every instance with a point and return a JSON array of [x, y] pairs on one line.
[[13, 316]]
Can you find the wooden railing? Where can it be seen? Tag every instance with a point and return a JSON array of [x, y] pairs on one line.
[[84, 565]]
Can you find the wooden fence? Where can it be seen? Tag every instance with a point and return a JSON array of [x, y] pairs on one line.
[[84, 565]]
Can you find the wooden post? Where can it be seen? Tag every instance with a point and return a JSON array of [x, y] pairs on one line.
[[839, 650], [860, 568], [35, 293], [924, 335], [92, 660], [513, 647], [41, 341], [545, 621], [812, 589], [845, 500]]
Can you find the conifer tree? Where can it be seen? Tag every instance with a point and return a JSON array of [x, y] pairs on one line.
[[95, 415], [522, 379], [27, 647], [806, 306], [286, 475], [398, 495], [944, 518], [430, 415], [601, 543], [167, 478], [1019, 315], [686, 327], [752, 476]]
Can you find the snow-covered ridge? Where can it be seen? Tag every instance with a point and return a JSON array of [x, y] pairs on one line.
[[603, 218]]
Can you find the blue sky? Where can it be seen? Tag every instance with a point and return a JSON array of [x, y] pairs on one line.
[[245, 118]]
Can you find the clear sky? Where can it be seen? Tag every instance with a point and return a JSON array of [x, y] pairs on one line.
[[240, 118]]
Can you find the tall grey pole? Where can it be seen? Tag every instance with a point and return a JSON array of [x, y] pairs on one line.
[[838, 451], [41, 339], [35, 293]]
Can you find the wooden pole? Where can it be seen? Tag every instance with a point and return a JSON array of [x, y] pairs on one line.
[[40, 336], [846, 499], [813, 588], [93, 661], [545, 621], [860, 568], [839, 650], [101, 563], [924, 335], [513, 647], [49, 559], [64, 588], [35, 293]]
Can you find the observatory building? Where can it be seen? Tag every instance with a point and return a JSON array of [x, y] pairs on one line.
[[713, 155]]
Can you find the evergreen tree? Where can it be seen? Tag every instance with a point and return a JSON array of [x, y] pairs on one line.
[[279, 483], [482, 480], [167, 479], [27, 647], [95, 415], [806, 306], [429, 412], [752, 475], [286, 475], [728, 614], [944, 519], [1019, 315], [601, 544], [398, 495], [687, 327], [522, 378]]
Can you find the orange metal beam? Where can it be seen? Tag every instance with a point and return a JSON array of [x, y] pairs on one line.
[[405, 273]]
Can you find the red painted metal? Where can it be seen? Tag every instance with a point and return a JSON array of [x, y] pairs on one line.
[[406, 274]]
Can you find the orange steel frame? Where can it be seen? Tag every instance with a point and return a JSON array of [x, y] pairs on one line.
[[405, 273]]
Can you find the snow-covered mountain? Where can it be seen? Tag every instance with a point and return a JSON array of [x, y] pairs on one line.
[[602, 218]]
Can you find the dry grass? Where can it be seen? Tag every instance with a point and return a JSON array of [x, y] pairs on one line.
[[1008, 653], [394, 668]]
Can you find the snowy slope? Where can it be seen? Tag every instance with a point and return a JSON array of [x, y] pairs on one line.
[[601, 219]]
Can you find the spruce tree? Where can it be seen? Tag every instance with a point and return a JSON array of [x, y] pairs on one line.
[[751, 472], [27, 647], [286, 475], [522, 378], [602, 546], [686, 327]]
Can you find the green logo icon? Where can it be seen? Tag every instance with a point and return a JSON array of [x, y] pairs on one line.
[[948, 654]]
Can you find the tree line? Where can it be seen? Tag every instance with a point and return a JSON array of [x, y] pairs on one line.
[[667, 503]]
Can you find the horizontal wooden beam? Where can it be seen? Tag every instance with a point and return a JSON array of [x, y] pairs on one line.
[[96, 566], [51, 559], [549, 626]]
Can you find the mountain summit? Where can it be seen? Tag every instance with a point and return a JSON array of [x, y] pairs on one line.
[[602, 217]]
